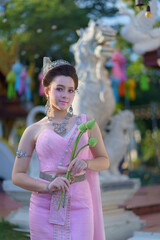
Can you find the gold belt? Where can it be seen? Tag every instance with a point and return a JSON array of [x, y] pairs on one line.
[[73, 179]]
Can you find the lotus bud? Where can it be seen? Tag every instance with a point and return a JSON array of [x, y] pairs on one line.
[[90, 124], [92, 142], [82, 128]]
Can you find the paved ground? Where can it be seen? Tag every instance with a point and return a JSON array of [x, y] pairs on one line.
[[146, 204]]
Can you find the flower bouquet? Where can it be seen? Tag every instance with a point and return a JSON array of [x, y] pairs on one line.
[[91, 142]]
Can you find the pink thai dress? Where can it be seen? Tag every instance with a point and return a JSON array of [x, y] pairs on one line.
[[82, 217]]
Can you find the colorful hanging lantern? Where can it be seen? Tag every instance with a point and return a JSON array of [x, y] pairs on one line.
[[144, 84], [115, 86], [130, 89], [118, 69], [10, 79], [23, 76], [28, 88], [17, 68], [122, 89]]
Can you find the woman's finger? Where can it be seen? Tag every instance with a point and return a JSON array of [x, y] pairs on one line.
[[77, 164], [64, 187], [71, 164], [65, 183]]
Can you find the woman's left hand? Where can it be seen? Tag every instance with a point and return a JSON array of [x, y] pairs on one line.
[[77, 165]]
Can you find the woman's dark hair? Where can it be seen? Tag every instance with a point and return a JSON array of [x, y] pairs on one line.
[[65, 70]]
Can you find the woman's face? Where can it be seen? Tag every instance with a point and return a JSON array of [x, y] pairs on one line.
[[61, 92]]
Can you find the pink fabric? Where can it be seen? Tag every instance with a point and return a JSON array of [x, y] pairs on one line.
[[86, 218]]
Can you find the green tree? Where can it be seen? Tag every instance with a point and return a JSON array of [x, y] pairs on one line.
[[42, 27]]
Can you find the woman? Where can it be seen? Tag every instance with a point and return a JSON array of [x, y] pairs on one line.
[[53, 138]]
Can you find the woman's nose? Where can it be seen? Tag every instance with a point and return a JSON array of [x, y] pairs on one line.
[[65, 93]]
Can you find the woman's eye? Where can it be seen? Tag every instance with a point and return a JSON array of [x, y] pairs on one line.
[[59, 89], [71, 91]]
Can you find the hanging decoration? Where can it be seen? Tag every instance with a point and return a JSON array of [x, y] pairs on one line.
[[23, 84], [10, 79], [115, 86], [116, 69], [122, 89], [28, 94], [148, 13], [41, 89], [17, 68], [23, 76], [119, 70], [144, 84], [130, 89]]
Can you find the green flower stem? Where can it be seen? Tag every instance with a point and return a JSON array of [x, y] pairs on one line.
[[74, 151], [81, 149], [82, 128], [69, 172]]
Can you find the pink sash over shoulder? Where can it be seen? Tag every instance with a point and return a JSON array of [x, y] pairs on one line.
[[82, 217]]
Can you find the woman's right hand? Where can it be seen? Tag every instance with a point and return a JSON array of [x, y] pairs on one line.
[[59, 184]]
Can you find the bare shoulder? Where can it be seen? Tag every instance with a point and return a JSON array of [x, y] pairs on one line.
[[32, 130]]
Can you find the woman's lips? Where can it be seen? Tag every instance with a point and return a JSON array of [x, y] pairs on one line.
[[63, 102]]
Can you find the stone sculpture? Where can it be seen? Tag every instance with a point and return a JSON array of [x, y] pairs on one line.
[[91, 52], [116, 142]]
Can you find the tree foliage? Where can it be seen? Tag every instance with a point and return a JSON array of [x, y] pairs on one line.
[[42, 27], [48, 28]]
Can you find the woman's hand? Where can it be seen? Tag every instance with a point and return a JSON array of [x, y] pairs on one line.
[[77, 165], [59, 184]]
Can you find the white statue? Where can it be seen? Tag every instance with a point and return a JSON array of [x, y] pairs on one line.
[[91, 51], [116, 142], [95, 95], [140, 31]]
